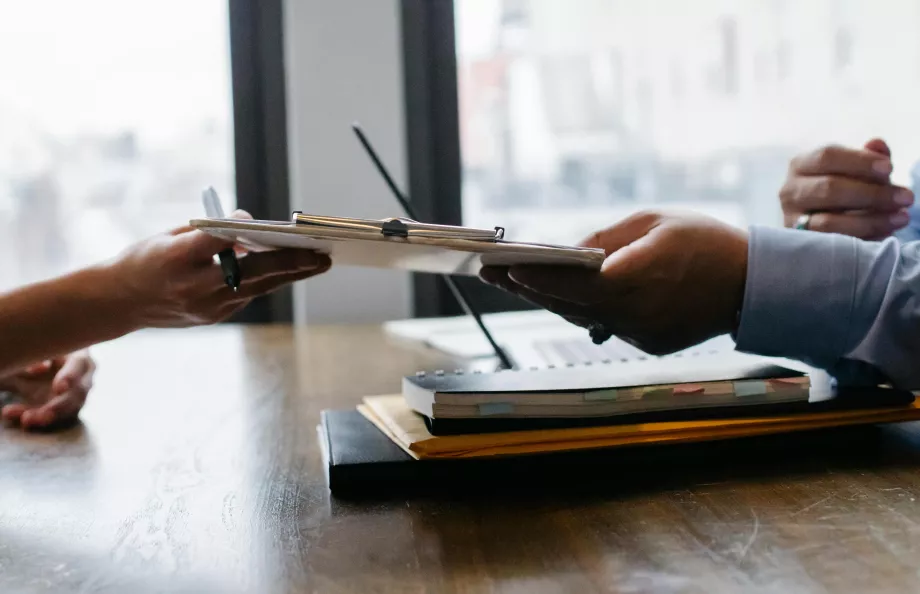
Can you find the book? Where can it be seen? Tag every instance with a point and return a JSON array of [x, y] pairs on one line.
[[606, 390]]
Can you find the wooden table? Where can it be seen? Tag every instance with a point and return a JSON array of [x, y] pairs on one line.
[[197, 469]]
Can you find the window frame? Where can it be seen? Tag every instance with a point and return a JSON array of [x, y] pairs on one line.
[[256, 30], [435, 169]]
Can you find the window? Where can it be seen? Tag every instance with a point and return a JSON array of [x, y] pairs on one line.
[[114, 116], [574, 114]]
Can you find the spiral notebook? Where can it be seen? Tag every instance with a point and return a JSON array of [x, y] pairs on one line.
[[600, 390], [724, 385]]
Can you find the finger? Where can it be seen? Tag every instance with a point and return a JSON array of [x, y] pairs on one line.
[[76, 373], [623, 233], [256, 266], [34, 418], [877, 145], [59, 410], [224, 303], [863, 226], [574, 285], [812, 194], [38, 368], [181, 230], [838, 160], [12, 412], [498, 276], [270, 283]]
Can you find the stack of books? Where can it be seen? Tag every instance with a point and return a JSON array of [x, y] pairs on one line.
[[508, 414]]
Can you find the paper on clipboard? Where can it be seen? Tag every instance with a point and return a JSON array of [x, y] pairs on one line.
[[398, 244]]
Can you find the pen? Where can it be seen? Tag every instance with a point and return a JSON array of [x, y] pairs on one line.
[[228, 262]]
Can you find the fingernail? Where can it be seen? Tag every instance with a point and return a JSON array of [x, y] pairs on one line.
[[899, 219], [882, 167], [904, 197]]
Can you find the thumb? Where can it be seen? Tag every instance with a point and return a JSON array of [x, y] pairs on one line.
[[240, 250], [240, 214], [622, 234], [77, 371], [877, 145], [200, 246]]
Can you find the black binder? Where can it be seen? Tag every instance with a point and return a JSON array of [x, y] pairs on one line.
[[361, 462]]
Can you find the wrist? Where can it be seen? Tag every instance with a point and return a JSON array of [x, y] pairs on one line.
[[104, 290]]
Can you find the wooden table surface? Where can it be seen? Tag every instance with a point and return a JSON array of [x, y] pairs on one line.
[[196, 469]]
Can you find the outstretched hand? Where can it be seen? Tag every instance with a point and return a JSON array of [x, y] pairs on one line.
[[670, 281], [172, 279]]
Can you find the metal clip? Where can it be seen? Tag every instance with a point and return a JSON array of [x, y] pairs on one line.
[[394, 228]]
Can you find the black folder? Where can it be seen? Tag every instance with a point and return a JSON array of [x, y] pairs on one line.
[[362, 462]]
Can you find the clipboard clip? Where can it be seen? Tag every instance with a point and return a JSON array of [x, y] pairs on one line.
[[394, 228], [400, 228]]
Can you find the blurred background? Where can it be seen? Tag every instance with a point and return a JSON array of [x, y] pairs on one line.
[[548, 118], [585, 110], [114, 115]]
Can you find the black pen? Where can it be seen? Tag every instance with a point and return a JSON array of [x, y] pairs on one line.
[[228, 262]]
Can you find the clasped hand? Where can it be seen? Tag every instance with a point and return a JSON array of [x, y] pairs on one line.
[[846, 191]]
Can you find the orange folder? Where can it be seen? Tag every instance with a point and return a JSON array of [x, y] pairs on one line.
[[407, 429]]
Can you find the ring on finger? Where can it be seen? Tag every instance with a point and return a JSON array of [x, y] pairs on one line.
[[803, 222]]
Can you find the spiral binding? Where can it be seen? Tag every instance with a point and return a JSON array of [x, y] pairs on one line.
[[677, 355]]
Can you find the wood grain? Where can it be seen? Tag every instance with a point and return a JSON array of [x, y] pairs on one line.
[[196, 469]]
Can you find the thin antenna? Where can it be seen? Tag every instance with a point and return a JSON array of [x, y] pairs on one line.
[[458, 292]]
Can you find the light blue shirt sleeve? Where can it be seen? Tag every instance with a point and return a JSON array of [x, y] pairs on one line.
[[847, 306], [912, 231]]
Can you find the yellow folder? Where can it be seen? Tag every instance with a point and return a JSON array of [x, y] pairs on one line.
[[407, 429]]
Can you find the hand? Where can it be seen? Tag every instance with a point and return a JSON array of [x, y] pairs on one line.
[[847, 191], [173, 280], [50, 393], [669, 281]]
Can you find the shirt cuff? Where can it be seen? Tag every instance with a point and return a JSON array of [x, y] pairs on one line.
[[799, 295]]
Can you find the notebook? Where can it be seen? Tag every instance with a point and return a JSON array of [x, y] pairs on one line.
[[398, 243], [605, 390], [407, 429]]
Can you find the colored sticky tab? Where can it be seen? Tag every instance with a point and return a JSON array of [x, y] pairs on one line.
[[750, 388], [601, 395], [789, 382], [652, 393], [688, 389], [495, 408]]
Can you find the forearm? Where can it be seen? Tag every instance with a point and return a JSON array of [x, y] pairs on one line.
[[59, 316], [847, 306]]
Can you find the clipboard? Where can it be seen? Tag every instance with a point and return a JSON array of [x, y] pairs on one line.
[[397, 243]]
